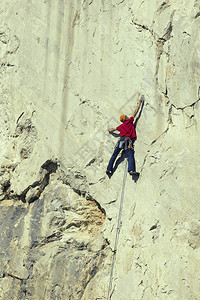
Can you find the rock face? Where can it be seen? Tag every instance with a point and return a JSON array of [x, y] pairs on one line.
[[68, 70]]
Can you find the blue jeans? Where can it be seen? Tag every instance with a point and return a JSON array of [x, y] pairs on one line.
[[129, 155]]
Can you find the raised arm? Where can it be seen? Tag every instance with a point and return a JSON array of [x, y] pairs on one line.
[[138, 106]]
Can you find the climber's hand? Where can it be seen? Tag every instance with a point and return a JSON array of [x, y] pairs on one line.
[[142, 99], [111, 129]]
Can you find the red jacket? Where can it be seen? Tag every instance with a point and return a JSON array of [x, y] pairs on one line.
[[127, 128]]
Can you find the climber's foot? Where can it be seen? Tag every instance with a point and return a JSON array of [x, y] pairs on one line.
[[109, 173], [134, 173]]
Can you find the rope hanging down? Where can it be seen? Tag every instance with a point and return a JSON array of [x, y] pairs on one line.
[[118, 230]]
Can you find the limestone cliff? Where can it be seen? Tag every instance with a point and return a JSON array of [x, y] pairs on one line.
[[68, 69]]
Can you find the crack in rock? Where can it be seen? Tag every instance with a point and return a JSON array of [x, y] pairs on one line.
[[121, 2], [33, 191], [186, 106], [163, 6], [143, 27], [13, 276]]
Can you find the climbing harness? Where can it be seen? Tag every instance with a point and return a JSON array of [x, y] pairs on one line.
[[118, 229], [125, 143]]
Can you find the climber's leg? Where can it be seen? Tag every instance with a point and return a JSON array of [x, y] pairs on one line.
[[131, 160], [112, 160]]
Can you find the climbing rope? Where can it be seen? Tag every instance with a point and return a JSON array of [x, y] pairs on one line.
[[118, 229]]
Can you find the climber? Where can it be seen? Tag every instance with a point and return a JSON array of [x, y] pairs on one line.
[[127, 138]]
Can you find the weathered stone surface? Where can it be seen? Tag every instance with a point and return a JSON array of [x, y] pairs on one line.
[[52, 247], [68, 70]]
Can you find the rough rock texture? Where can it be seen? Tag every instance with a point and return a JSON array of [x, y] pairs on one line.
[[68, 69]]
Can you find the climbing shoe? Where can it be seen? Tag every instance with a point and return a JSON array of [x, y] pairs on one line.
[[134, 173], [109, 173]]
